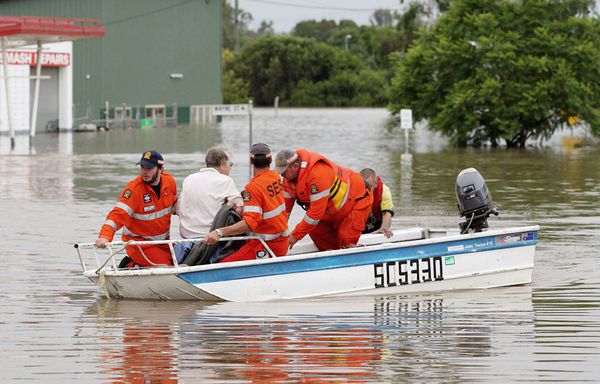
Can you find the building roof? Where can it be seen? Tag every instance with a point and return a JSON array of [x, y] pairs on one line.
[[27, 30]]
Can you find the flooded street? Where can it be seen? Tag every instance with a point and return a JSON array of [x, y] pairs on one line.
[[56, 327]]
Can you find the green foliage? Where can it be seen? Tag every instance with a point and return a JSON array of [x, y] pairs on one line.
[[504, 70], [313, 68], [235, 89], [303, 72], [365, 88], [313, 29]]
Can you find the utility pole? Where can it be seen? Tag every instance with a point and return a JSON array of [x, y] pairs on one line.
[[237, 27]]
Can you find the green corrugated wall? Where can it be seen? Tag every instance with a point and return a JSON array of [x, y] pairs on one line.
[[145, 41]]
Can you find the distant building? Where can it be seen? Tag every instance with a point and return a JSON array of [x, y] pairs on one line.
[[154, 53]]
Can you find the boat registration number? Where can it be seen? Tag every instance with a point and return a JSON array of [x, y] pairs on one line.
[[403, 272]]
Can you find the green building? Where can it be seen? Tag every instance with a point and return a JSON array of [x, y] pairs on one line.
[[154, 52]]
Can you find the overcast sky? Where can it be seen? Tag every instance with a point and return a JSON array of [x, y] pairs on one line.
[[286, 13]]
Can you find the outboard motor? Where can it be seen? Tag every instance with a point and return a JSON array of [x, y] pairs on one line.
[[474, 201]]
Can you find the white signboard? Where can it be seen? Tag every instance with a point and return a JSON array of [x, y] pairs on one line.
[[406, 119], [230, 109], [49, 59]]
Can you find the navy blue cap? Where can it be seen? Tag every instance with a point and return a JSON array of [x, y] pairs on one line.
[[151, 159]]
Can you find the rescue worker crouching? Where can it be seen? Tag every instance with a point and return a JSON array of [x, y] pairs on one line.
[[264, 212], [336, 199], [144, 211]]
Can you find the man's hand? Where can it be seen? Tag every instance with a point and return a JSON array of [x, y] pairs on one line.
[[386, 231], [212, 238], [101, 242], [292, 241]]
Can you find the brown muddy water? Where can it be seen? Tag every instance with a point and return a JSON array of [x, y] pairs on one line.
[[55, 326]]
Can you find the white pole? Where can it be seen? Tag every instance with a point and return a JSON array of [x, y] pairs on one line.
[[250, 132], [406, 123], [11, 127], [276, 104], [106, 114], [36, 92]]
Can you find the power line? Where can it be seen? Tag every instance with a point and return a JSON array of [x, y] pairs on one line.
[[315, 6], [145, 14]]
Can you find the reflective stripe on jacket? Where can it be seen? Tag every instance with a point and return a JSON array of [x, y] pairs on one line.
[[264, 206], [325, 188], [141, 214]]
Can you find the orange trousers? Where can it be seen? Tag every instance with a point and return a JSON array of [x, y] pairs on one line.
[[156, 254], [344, 232], [253, 248]]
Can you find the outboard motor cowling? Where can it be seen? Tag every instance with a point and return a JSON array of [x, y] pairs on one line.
[[474, 201]]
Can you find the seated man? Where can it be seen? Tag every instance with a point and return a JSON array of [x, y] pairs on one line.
[[264, 212], [382, 210], [204, 192], [202, 195], [144, 211]]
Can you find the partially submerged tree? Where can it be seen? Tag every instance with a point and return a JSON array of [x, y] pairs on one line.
[[504, 70]]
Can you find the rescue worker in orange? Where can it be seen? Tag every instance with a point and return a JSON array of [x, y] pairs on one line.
[[264, 212], [335, 198], [144, 211]]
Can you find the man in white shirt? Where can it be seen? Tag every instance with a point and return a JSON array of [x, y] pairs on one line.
[[204, 192]]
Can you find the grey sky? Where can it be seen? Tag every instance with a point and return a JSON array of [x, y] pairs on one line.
[[286, 13]]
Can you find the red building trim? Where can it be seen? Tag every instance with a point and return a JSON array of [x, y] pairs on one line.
[[47, 29]]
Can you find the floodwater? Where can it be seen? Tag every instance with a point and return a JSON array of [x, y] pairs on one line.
[[56, 327]]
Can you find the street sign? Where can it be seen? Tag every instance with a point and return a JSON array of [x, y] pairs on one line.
[[406, 121], [230, 109]]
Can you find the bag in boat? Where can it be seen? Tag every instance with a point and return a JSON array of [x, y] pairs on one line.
[[201, 253]]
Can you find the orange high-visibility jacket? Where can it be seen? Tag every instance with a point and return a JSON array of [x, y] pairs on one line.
[[327, 190], [264, 206], [143, 216]]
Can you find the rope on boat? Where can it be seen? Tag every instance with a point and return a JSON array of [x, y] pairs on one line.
[[111, 256], [102, 283]]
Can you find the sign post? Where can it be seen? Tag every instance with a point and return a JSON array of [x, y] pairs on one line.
[[233, 110], [406, 123]]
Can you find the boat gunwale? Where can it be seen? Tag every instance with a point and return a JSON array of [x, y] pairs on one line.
[[320, 254]]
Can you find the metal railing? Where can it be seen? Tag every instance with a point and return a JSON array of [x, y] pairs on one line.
[[120, 247]]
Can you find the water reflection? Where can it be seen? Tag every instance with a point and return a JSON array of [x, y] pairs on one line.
[[359, 339], [139, 339]]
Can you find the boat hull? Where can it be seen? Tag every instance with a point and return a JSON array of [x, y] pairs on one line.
[[458, 262]]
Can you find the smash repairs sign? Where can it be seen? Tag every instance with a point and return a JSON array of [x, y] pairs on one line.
[[49, 59]]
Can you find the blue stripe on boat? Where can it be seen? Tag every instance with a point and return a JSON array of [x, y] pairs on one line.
[[357, 259]]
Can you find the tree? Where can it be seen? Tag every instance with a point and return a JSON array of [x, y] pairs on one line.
[[322, 30], [304, 72], [266, 28], [410, 23], [504, 70], [382, 18], [235, 89]]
